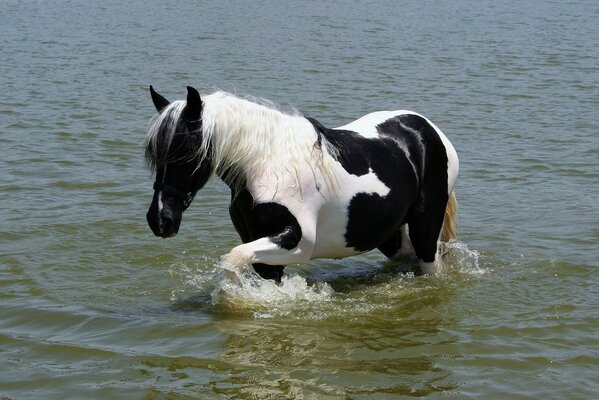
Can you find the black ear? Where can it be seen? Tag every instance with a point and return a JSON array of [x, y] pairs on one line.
[[193, 108], [159, 102]]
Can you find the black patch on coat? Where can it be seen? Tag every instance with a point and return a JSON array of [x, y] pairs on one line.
[[425, 149], [410, 159], [257, 220]]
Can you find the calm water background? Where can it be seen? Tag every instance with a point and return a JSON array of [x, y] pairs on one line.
[[93, 306]]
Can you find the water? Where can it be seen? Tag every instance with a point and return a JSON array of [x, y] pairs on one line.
[[93, 306]]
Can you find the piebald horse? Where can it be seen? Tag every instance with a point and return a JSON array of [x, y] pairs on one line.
[[299, 190]]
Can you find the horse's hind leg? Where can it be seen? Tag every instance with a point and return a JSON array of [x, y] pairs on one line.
[[398, 245], [425, 228]]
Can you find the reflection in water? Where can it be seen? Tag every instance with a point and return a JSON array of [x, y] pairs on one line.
[[326, 357], [356, 339]]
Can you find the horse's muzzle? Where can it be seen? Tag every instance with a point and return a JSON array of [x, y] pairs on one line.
[[165, 222], [167, 228]]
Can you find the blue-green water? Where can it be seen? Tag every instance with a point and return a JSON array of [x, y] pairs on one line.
[[92, 305]]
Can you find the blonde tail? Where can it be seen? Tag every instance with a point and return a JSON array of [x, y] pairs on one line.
[[450, 229]]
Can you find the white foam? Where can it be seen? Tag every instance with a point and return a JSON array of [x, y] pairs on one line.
[[245, 289], [192, 278], [362, 287], [457, 255]]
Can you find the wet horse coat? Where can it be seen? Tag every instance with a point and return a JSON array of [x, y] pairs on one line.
[[300, 191]]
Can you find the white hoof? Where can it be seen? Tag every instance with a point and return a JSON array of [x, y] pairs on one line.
[[237, 259], [233, 265], [430, 268]]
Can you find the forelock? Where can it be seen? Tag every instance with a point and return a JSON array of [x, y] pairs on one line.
[[161, 132]]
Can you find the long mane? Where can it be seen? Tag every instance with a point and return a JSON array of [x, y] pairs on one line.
[[245, 139]]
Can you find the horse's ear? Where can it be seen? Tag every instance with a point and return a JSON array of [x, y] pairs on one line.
[[159, 102], [193, 109]]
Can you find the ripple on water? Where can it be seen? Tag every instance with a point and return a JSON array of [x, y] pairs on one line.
[[355, 292], [388, 322]]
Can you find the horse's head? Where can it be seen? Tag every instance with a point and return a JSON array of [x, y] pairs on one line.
[[180, 160]]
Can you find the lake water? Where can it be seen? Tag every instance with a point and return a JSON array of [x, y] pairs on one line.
[[93, 306]]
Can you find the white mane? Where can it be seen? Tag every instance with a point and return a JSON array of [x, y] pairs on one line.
[[247, 139]]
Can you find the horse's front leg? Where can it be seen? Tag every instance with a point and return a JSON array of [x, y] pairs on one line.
[[288, 247], [272, 234]]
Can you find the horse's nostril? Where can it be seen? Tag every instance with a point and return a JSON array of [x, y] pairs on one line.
[[166, 225]]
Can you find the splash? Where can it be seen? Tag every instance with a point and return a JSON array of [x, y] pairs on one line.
[[245, 289], [358, 286], [457, 256]]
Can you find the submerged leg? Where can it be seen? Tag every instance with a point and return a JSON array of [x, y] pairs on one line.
[[398, 245], [274, 272], [392, 245]]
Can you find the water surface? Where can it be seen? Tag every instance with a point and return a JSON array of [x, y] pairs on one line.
[[93, 306]]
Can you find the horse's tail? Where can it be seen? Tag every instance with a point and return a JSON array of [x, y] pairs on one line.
[[450, 228]]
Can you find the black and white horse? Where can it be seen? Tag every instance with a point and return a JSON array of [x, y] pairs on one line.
[[299, 190]]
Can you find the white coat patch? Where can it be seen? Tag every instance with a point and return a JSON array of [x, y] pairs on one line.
[[366, 126], [333, 216]]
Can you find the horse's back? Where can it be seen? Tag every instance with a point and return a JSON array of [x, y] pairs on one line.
[[410, 127], [366, 126]]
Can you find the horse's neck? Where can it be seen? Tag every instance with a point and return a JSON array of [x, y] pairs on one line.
[[241, 129], [236, 118], [247, 138], [251, 144]]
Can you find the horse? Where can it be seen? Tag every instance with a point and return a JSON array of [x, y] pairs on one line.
[[302, 191]]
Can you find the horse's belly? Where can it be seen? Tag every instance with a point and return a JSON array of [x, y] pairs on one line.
[[326, 249], [330, 234], [333, 249]]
